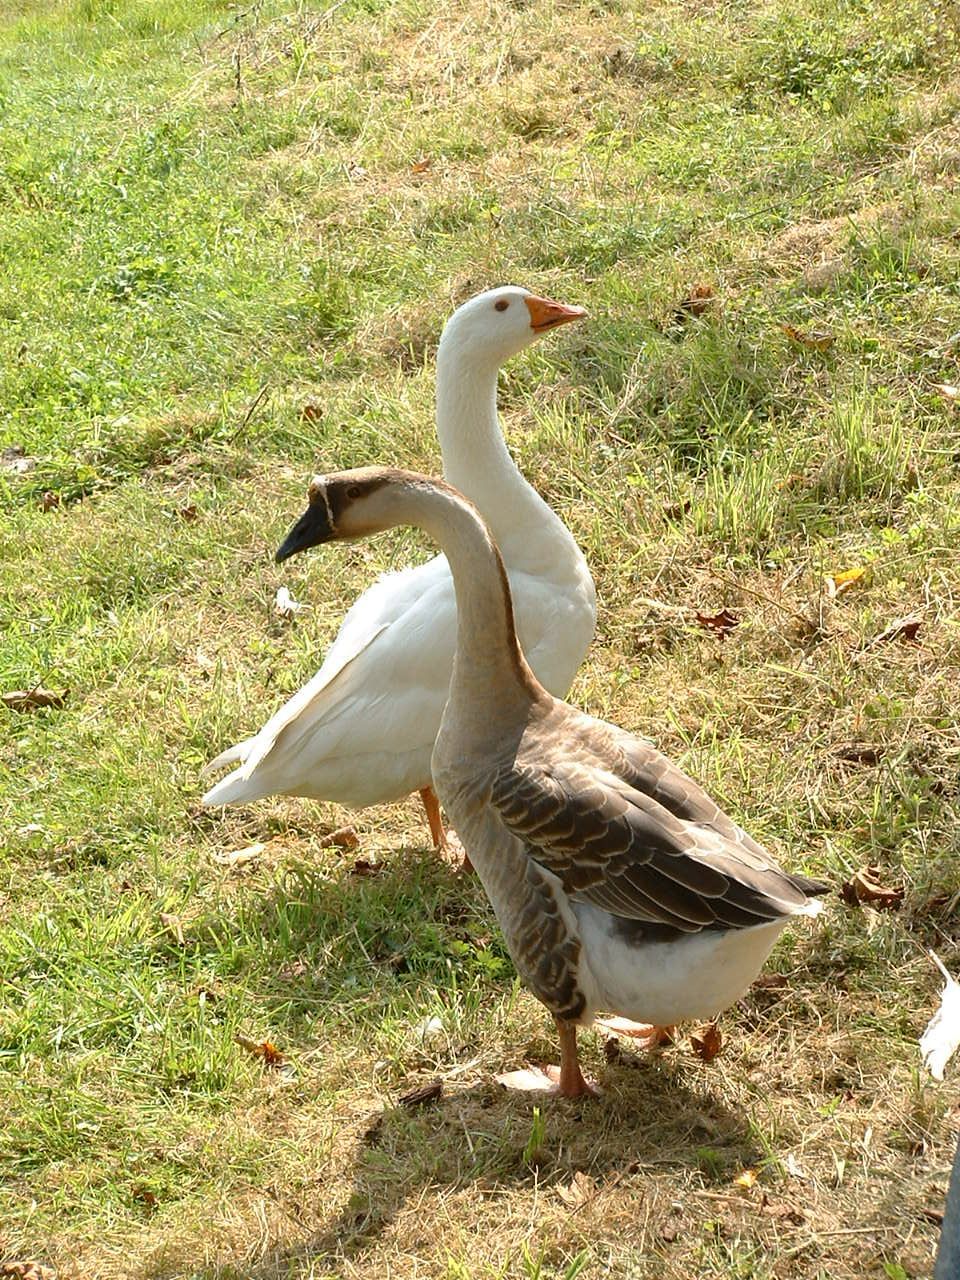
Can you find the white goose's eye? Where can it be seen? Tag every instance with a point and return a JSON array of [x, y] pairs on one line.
[[501, 305]]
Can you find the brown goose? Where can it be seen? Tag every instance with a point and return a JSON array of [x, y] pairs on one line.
[[619, 885]]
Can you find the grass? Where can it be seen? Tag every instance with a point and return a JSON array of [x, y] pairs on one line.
[[213, 216]]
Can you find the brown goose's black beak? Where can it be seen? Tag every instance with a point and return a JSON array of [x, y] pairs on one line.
[[311, 529]]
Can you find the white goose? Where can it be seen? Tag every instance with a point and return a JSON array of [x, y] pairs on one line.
[[618, 883], [362, 730]]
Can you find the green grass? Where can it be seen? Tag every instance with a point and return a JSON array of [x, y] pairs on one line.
[[212, 217]]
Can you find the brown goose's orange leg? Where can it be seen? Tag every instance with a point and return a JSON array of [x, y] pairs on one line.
[[571, 1082], [437, 834], [567, 1080]]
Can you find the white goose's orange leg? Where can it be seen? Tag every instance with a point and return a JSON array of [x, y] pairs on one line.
[[432, 806], [437, 834]]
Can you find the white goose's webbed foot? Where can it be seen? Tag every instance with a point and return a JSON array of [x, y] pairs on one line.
[[647, 1035]]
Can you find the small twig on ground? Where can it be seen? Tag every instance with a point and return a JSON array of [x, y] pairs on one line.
[[238, 18], [760, 595], [254, 404]]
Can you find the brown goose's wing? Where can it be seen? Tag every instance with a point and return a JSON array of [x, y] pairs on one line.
[[627, 831]]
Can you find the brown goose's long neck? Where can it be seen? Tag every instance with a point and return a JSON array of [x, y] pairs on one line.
[[489, 665]]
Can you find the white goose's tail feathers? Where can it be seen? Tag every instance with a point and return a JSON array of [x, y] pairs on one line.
[[232, 755], [235, 786]]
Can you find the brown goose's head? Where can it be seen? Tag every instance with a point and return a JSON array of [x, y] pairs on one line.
[[347, 504]]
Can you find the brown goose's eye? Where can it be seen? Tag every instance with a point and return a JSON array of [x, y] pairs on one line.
[[355, 491], [501, 305]]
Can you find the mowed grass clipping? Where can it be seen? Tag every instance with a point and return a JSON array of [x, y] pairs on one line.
[[230, 238]]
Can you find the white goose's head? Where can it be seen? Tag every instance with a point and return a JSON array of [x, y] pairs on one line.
[[497, 324]]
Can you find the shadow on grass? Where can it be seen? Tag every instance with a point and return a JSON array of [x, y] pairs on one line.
[[393, 934], [649, 1119], [481, 1138]]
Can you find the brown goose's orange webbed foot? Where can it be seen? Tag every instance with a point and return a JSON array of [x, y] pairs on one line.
[[567, 1080], [444, 842]]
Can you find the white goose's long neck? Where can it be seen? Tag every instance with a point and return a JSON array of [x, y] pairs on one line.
[[489, 671], [475, 456]]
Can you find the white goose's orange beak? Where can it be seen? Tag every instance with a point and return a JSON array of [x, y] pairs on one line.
[[547, 314]]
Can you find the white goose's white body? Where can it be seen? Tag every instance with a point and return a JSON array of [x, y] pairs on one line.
[[361, 732]]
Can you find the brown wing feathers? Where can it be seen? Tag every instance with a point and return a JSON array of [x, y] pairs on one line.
[[652, 847]]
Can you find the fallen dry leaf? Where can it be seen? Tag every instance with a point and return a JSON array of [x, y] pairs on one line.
[[578, 1190], [49, 501], [814, 339], [421, 166], [746, 1180], [941, 1038], [698, 301], [771, 982], [677, 510], [838, 583], [264, 1049], [311, 411], [722, 622], [903, 629], [285, 604], [793, 1167], [420, 1097], [240, 857], [788, 1212], [362, 867], [342, 838], [204, 661], [26, 1271], [146, 1197], [188, 513], [174, 926], [865, 886], [429, 1030], [614, 1053], [32, 699], [859, 753], [527, 1080], [708, 1042]]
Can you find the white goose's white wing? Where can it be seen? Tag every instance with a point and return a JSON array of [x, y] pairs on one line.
[[361, 732]]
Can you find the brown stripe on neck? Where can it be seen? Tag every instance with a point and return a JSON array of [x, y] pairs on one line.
[[519, 663]]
